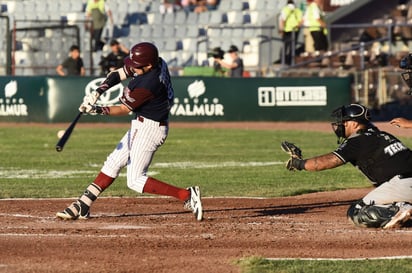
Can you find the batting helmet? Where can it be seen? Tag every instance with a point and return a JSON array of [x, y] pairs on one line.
[[141, 55]]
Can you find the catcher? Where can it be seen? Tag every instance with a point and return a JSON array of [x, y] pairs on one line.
[[383, 158]]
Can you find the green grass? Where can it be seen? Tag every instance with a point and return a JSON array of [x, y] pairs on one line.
[[260, 265], [224, 162]]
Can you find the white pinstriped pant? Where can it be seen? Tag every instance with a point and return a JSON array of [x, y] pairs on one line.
[[136, 150]]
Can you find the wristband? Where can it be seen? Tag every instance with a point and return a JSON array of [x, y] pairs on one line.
[[102, 110], [299, 164]]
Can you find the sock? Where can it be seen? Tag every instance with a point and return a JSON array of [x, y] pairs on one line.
[[90, 194], [103, 181], [155, 186]]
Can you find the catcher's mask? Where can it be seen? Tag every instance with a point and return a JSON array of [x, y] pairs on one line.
[[406, 63], [355, 112]]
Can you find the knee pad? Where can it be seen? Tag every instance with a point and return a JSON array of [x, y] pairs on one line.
[[370, 216]]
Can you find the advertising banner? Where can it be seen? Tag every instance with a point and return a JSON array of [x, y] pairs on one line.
[[56, 99]]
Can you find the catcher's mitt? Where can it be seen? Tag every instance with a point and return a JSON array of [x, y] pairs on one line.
[[295, 162]]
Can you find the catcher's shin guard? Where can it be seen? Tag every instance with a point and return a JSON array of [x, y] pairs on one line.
[[370, 216]]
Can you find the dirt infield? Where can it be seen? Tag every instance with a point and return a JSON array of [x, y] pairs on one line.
[[157, 235]]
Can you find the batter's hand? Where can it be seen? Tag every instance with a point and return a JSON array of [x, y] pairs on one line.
[[94, 109], [295, 161], [85, 108], [88, 101]]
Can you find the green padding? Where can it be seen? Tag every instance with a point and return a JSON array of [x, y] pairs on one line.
[[198, 71], [197, 98]]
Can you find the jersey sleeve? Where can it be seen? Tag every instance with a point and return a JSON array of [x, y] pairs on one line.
[[132, 99], [349, 150]]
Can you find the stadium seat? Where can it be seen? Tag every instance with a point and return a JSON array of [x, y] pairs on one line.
[[169, 18], [154, 18], [225, 5], [170, 45], [169, 31], [157, 31], [215, 17], [204, 18], [192, 18], [192, 31], [180, 17], [189, 44], [145, 31], [235, 17], [236, 5]]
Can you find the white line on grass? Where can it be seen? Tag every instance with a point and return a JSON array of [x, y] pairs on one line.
[[13, 173], [207, 165]]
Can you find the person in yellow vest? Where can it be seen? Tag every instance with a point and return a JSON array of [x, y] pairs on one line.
[[289, 27], [314, 20], [98, 11]]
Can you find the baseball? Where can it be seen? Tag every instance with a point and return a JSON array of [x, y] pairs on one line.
[[60, 133]]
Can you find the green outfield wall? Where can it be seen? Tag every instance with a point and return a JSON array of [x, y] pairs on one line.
[[56, 99]]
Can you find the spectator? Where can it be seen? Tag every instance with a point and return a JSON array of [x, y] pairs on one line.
[[98, 11], [289, 26], [200, 6], [212, 4], [187, 5], [169, 6], [218, 54], [314, 20], [115, 58], [73, 65], [236, 65]]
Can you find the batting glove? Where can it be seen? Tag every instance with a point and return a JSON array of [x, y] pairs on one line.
[[89, 100]]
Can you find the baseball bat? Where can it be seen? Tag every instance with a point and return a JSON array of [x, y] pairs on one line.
[[62, 141]]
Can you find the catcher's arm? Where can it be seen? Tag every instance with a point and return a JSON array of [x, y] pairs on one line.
[[317, 163], [323, 162]]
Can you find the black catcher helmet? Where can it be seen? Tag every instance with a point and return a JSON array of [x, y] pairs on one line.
[[355, 112], [141, 55]]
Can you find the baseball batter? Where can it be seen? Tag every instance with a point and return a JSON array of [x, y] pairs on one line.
[[149, 95], [383, 158]]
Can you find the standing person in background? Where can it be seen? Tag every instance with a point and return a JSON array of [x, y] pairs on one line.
[[149, 96], [115, 59], [314, 20], [236, 65], [289, 26], [98, 11], [73, 65]]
